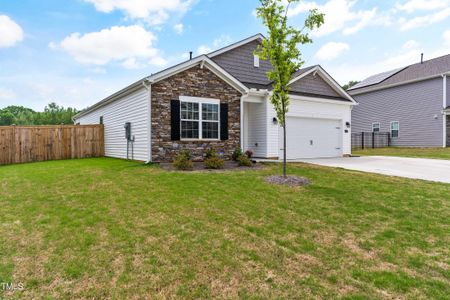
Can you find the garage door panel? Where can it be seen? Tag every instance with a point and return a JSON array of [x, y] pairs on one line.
[[309, 137]]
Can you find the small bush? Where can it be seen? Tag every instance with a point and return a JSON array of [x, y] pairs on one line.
[[236, 154], [214, 162], [244, 161], [249, 153], [183, 161], [185, 153], [210, 153]]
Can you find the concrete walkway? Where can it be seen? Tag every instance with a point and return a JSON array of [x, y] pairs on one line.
[[417, 168]]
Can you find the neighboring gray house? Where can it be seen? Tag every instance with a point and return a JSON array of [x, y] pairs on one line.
[[222, 101], [412, 103]]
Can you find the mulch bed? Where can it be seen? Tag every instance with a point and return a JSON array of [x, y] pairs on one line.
[[199, 166], [288, 180]]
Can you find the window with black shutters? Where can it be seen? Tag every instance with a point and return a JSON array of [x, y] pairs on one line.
[[199, 118]]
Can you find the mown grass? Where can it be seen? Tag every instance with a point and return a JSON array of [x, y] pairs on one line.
[[106, 228], [437, 153]]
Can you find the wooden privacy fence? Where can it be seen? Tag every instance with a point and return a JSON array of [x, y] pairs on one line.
[[20, 144]]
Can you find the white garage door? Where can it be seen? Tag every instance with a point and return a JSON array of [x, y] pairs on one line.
[[311, 138]]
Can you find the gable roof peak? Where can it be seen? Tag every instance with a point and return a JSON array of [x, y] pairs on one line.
[[252, 38]]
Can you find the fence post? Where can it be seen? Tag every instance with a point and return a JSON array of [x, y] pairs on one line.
[[389, 139], [362, 140], [373, 140]]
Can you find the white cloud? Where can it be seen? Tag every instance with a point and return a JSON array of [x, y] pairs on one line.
[[446, 37], [153, 12], [426, 20], [415, 5], [6, 94], [203, 50], [132, 46], [411, 44], [331, 50], [179, 28], [10, 32], [340, 15], [221, 41]]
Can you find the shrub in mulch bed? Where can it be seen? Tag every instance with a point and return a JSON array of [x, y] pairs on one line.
[[183, 161], [200, 167], [288, 180], [244, 161], [214, 162]]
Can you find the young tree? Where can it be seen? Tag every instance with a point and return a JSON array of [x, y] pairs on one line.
[[280, 48], [350, 84]]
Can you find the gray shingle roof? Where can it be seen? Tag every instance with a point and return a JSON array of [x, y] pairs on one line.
[[239, 63], [418, 71]]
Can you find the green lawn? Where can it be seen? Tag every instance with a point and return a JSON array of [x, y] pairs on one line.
[[106, 228], [438, 153]]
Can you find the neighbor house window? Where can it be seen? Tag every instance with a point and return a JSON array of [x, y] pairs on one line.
[[199, 118], [101, 120], [376, 127], [395, 129]]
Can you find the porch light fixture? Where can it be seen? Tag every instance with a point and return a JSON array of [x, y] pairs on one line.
[[347, 124], [275, 121]]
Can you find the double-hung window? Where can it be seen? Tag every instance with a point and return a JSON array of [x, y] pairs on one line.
[[376, 127], [395, 128], [199, 118]]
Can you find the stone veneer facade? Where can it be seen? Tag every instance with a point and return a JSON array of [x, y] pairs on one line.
[[195, 82]]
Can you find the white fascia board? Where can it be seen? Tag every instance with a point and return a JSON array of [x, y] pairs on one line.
[[303, 75], [330, 80], [321, 100], [258, 36], [204, 61], [123, 92], [337, 87], [355, 92]]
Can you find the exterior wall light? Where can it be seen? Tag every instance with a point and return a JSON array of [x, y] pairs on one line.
[[275, 121], [347, 124]]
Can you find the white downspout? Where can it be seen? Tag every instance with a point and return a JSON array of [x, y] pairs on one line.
[[242, 120], [444, 106], [148, 87]]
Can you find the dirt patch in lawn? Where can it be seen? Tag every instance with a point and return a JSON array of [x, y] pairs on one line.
[[200, 167], [288, 180]]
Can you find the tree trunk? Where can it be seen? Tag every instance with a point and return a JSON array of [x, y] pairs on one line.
[[284, 138], [284, 149]]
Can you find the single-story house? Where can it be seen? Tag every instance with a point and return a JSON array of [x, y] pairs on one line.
[[221, 101], [412, 103]]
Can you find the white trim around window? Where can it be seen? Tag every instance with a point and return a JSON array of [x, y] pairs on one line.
[[392, 129], [196, 114], [376, 125]]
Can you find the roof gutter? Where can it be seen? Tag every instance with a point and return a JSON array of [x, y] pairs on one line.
[[355, 91], [147, 83], [111, 98], [444, 109]]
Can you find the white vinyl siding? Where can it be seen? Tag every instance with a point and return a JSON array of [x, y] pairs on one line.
[[414, 105], [255, 119], [131, 108]]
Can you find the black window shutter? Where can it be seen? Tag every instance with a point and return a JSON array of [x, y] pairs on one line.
[[224, 121], [175, 119]]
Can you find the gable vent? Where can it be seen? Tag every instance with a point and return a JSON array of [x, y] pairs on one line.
[[256, 61]]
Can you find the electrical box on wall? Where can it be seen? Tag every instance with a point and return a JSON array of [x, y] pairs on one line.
[[128, 131]]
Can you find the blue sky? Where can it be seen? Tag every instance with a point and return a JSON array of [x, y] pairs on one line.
[[76, 52]]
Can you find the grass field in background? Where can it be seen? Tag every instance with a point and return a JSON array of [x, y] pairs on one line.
[[437, 153]]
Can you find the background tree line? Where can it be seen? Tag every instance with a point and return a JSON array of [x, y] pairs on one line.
[[53, 114]]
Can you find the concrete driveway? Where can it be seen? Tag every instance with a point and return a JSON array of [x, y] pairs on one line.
[[418, 168]]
